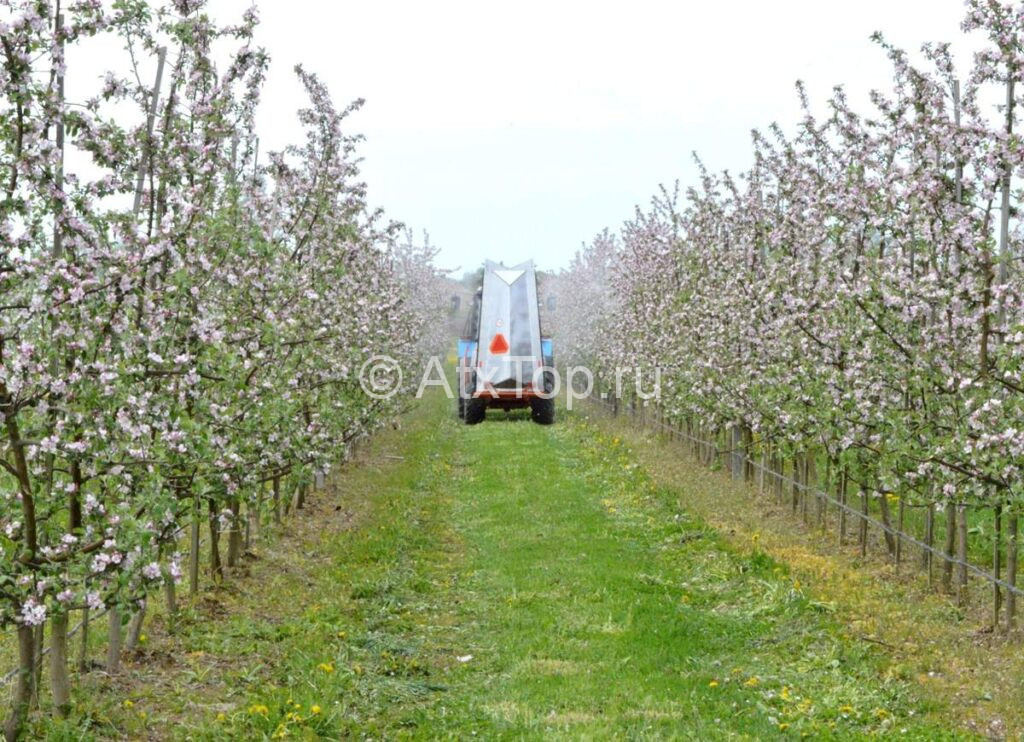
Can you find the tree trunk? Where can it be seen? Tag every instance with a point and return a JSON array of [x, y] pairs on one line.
[[216, 568], [899, 532], [114, 640], [929, 539], [883, 507], [864, 522], [171, 598], [277, 500], [842, 511], [1011, 569], [83, 643], [997, 555], [778, 484], [37, 665], [735, 456], [795, 487], [961, 554], [947, 566], [247, 542], [748, 458], [22, 694], [193, 556], [60, 681], [235, 534], [135, 627], [826, 490]]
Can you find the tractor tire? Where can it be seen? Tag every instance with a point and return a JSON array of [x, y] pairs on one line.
[[475, 410], [542, 410]]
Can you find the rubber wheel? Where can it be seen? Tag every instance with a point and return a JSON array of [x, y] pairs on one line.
[[475, 411], [542, 410]]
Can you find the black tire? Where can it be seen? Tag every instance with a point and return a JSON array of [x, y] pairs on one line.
[[475, 411], [542, 410]]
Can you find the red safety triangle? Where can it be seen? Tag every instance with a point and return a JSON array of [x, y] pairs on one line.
[[499, 344]]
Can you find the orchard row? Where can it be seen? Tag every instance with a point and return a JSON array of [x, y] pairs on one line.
[[852, 303], [181, 319]]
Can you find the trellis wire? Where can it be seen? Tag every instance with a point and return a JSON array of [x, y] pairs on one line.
[[895, 532]]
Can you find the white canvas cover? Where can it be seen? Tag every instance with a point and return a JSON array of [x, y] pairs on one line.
[[508, 309]]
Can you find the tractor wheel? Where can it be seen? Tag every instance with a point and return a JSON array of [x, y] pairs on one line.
[[475, 410], [542, 410]]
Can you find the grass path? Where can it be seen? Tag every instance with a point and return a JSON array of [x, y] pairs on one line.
[[506, 580]]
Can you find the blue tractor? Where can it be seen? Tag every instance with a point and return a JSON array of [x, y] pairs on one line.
[[504, 361]]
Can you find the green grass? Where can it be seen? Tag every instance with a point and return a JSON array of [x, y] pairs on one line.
[[505, 580]]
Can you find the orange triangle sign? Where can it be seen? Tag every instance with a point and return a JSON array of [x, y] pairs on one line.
[[499, 344]]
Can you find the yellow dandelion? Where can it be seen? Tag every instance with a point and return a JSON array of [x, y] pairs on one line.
[[752, 681], [142, 638], [314, 709], [846, 709], [784, 693], [342, 635], [783, 726], [713, 684], [258, 709], [222, 717], [127, 703], [327, 667]]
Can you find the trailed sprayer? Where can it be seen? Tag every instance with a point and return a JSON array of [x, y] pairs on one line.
[[504, 361]]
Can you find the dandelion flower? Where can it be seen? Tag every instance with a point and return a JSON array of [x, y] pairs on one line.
[[327, 667], [713, 684], [752, 681], [314, 709]]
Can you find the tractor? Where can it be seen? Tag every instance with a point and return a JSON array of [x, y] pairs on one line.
[[504, 361]]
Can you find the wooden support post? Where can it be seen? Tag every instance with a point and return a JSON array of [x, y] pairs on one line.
[[147, 150], [1011, 568], [899, 532], [961, 554], [929, 539], [997, 555]]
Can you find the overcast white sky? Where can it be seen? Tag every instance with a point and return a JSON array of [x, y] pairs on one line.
[[515, 131]]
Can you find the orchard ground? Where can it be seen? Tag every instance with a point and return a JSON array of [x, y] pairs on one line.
[[580, 581]]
